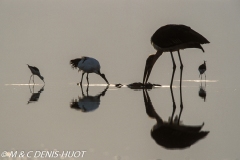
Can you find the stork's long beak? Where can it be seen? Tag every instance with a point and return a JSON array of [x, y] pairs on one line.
[[147, 72], [149, 65], [103, 76]]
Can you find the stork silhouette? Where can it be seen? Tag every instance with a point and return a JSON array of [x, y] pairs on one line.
[[87, 65], [170, 38]]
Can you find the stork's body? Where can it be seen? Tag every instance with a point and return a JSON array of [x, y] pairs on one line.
[[87, 65], [35, 71], [172, 38], [202, 68]]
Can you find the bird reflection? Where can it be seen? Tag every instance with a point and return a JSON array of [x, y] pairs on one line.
[[172, 134], [87, 103], [35, 96], [202, 92]]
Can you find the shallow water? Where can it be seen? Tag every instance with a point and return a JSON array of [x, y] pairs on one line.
[[114, 124]]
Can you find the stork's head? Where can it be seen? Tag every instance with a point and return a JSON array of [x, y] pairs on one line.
[[103, 76], [149, 65]]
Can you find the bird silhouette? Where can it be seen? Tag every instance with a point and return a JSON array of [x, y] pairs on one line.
[[87, 65], [35, 71], [170, 38], [202, 68]]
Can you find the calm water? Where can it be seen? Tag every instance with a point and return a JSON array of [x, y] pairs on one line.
[[113, 124]]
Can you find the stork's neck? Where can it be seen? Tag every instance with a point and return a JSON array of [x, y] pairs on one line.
[[157, 55]]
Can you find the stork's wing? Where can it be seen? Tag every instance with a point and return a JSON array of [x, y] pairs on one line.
[[172, 35]]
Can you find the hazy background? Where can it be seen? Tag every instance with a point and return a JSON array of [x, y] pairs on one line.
[[48, 34]]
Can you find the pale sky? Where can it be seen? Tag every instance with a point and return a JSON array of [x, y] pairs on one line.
[[47, 34]]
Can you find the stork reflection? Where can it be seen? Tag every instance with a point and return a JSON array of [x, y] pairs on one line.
[[202, 91], [35, 96], [172, 134], [87, 103]]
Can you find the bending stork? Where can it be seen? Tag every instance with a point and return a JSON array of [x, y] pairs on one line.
[[172, 38], [87, 65]]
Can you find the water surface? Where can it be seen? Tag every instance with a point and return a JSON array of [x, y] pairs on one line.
[[117, 126]]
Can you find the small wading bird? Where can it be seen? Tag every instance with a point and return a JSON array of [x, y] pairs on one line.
[[202, 68], [87, 65], [35, 71], [172, 38]]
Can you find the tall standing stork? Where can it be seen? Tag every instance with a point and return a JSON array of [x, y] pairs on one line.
[[170, 38], [87, 65]]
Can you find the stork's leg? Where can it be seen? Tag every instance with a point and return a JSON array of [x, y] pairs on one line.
[[30, 79], [30, 88], [87, 89], [87, 79], [174, 68], [33, 80], [83, 95], [174, 104], [173, 100], [205, 85], [180, 115], [181, 68], [33, 88], [82, 77]]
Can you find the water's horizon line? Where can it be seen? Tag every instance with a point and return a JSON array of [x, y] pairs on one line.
[[112, 85], [21, 84], [197, 80]]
